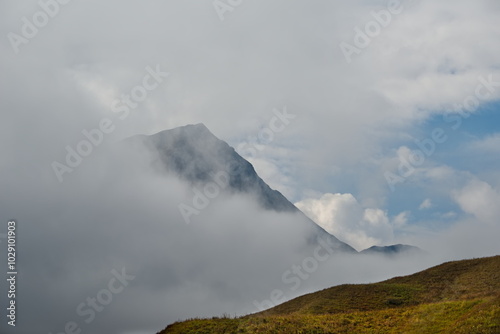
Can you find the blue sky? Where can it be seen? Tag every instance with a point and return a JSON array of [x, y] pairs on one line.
[[456, 153]]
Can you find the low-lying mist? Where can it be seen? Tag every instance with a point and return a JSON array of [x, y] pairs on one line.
[[109, 251]]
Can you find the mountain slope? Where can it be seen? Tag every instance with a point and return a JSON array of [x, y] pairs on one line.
[[454, 297], [194, 154]]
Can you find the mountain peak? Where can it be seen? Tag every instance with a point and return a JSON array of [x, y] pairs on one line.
[[198, 129], [193, 127], [194, 154]]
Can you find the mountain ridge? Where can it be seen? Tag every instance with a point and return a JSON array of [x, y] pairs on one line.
[[195, 154], [391, 249]]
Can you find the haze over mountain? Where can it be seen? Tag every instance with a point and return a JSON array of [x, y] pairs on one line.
[[392, 250], [196, 155], [118, 214]]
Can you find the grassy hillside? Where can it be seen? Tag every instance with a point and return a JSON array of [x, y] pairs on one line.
[[454, 297]]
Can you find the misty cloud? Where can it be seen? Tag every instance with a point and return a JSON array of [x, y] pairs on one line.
[[344, 217]]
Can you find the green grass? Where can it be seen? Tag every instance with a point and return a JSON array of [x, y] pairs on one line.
[[455, 297]]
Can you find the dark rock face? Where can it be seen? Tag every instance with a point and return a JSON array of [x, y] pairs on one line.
[[196, 155]]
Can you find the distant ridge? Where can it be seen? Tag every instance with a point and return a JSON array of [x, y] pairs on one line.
[[392, 250]]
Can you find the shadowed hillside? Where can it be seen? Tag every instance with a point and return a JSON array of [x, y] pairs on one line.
[[454, 297]]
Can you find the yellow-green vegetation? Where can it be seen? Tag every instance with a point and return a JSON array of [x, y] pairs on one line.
[[454, 297]]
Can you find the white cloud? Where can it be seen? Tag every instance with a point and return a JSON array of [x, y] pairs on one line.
[[449, 215], [401, 219], [437, 66], [426, 204], [479, 199], [343, 216], [490, 144], [95, 86]]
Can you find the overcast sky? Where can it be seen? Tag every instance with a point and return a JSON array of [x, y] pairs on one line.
[[393, 136]]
